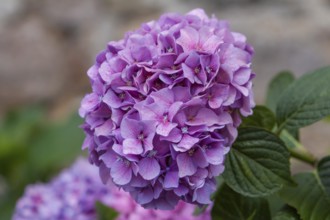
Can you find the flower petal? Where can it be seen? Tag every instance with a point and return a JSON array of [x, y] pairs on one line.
[[132, 146], [149, 168], [186, 143], [171, 179], [121, 172], [186, 165]]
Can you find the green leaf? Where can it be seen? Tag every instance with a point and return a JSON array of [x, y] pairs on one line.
[[309, 197], [230, 205], [287, 213], [306, 101], [323, 169], [56, 147], [257, 164], [262, 117], [276, 87], [104, 212]]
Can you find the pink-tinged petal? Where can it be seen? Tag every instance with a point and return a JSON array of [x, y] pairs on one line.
[[188, 73], [145, 196], [234, 58], [105, 129], [215, 102], [149, 168], [132, 146], [141, 54], [189, 37], [89, 103], [204, 117], [186, 143], [242, 76], [163, 97], [130, 128], [212, 44], [150, 111], [118, 148], [186, 165], [200, 13], [171, 180], [174, 136], [148, 142], [121, 172], [173, 110], [164, 129], [93, 72], [111, 99], [105, 71], [208, 117], [149, 127]]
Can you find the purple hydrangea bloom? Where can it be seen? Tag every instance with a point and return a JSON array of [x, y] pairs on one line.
[[165, 105], [128, 209], [71, 195]]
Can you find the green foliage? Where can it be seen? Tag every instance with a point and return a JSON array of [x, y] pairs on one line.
[[105, 213], [262, 117], [230, 205], [323, 169], [257, 164], [306, 101], [287, 213], [33, 149], [309, 197], [276, 87]]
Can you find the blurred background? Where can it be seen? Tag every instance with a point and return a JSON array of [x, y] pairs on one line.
[[46, 47]]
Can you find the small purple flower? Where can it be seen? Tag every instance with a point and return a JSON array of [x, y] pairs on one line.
[[165, 106]]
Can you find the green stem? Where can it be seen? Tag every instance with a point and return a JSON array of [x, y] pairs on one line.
[[303, 155], [296, 149]]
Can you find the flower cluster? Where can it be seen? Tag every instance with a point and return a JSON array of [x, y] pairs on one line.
[[128, 209], [165, 105], [71, 195]]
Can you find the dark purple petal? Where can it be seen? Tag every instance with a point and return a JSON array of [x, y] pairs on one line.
[[149, 168], [171, 180], [186, 165]]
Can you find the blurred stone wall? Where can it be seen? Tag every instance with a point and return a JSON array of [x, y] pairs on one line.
[[46, 46]]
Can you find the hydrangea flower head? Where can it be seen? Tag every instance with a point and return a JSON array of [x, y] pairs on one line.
[[71, 195], [165, 105]]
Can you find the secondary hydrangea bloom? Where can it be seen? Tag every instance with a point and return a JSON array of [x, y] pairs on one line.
[[128, 209], [165, 105], [71, 195]]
